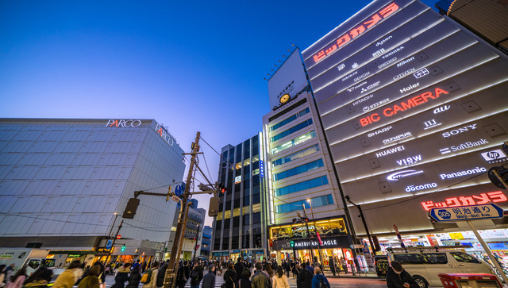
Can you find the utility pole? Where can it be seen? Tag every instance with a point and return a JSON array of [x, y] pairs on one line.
[[196, 245], [116, 236], [171, 272], [308, 233], [363, 220], [316, 230]]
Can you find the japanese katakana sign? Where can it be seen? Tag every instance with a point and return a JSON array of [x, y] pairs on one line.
[[483, 198], [466, 213]]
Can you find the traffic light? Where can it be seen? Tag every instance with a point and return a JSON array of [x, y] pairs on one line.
[[221, 188], [305, 219], [213, 209], [296, 220], [292, 243], [130, 208], [123, 248], [499, 176]]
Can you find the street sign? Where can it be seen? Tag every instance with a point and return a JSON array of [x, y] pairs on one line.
[[356, 246], [109, 245], [178, 190], [175, 198], [487, 211], [118, 237]]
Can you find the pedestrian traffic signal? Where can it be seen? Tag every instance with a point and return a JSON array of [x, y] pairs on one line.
[[122, 249], [130, 208], [292, 243]]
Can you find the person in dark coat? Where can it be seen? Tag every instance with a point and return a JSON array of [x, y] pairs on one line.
[[397, 277], [182, 275], [209, 279], [196, 275], [238, 269], [122, 275], [134, 278], [230, 276], [245, 280], [304, 279], [161, 274]]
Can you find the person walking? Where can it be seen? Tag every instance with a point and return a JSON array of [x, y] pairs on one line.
[[280, 280], [181, 276], [91, 280], [245, 279], [196, 275], [397, 277], [68, 278], [39, 279], [310, 268], [134, 278], [150, 280], [161, 274], [122, 275], [238, 269], [260, 279], [17, 280], [102, 274], [209, 279], [319, 279], [230, 276], [2, 275], [304, 279]]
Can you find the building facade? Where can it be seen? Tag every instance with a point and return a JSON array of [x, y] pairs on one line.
[[300, 180], [414, 109], [238, 230], [64, 184], [206, 242]]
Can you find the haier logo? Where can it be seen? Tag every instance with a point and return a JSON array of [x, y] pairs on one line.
[[123, 123], [494, 156], [460, 130], [396, 176]]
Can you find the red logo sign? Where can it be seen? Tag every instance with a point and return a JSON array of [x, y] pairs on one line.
[[118, 236], [483, 198], [403, 106], [366, 25]]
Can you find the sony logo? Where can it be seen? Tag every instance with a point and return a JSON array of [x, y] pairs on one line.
[[460, 130]]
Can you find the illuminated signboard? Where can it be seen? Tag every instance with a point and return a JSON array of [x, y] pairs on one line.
[[123, 123], [405, 105], [164, 134], [483, 198]]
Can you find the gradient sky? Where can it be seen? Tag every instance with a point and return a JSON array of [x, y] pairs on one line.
[[193, 66]]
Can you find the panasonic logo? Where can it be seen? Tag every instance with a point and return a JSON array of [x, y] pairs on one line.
[[476, 170], [406, 173], [460, 130]]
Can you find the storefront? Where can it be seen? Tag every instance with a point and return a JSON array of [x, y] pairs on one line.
[[251, 255]]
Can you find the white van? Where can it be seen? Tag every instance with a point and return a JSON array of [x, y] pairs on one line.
[[425, 266]]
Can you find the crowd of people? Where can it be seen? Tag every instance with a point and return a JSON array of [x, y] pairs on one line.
[[242, 274]]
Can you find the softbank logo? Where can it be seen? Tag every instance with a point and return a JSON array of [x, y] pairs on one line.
[[123, 123]]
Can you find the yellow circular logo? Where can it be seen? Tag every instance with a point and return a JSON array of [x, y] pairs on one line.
[[284, 98]]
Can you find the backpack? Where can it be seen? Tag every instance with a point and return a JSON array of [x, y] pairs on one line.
[[145, 279], [194, 275]]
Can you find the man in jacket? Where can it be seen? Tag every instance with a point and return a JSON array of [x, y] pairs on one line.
[[67, 278], [260, 280], [209, 279], [319, 278], [238, 270], [397, 277], [304, 279], [161, 274], [196, 276]]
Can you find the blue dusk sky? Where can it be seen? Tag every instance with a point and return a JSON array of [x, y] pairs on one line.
[[191, 65]]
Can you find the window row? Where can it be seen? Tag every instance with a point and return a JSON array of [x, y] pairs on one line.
[[315, 202], [290, 119], [294, 142], [297, 155], [316, 182], [291, 130], [298, 170]]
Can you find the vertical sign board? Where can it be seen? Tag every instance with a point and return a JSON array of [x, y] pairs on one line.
[[390, 85]]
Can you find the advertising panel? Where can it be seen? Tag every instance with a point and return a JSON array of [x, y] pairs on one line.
[[412, 106], [287, 81]]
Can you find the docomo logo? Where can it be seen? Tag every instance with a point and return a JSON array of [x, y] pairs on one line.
[[344, 39], [413, 102], [483, 198], [124, 123], [396, 176], [414, 188]]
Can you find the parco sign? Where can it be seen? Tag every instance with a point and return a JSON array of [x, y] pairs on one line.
[[124, 123]]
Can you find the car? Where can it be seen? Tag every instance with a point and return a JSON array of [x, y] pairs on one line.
[[424, 267], [381, 264]]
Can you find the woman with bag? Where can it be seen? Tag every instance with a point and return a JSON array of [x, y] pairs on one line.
[[280, 280], [134, 278], [18, 279], [230, 276]]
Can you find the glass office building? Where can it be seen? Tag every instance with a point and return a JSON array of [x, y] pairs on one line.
[[239, 230]]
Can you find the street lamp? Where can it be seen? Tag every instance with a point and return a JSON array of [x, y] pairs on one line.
[[316, 230]]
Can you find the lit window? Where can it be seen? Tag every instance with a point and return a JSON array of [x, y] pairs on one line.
[[294, 142]]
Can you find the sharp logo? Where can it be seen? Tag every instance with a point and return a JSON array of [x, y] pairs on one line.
[[406, 173], [460, 130], [494, 156], [441, 109], [463, 146]]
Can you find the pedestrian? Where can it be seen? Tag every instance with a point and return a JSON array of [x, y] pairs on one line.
[[304, 279], [181, 276], [122, 275], [238, 269], [287, 268], [40, 278], [230, 276], [91, 280], [319, 279], [143, 266], [68, 278], [9, 271], [137, 265], [149, 278], [260, 279], [17, 280], [398, 277], [209, 279], [196, 275], [102, 274], [244, 281], [344, 264], [310, 268], [280, 280], [2, 275], [161, 274], [134, 278], [332, 266], [269, 271]]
